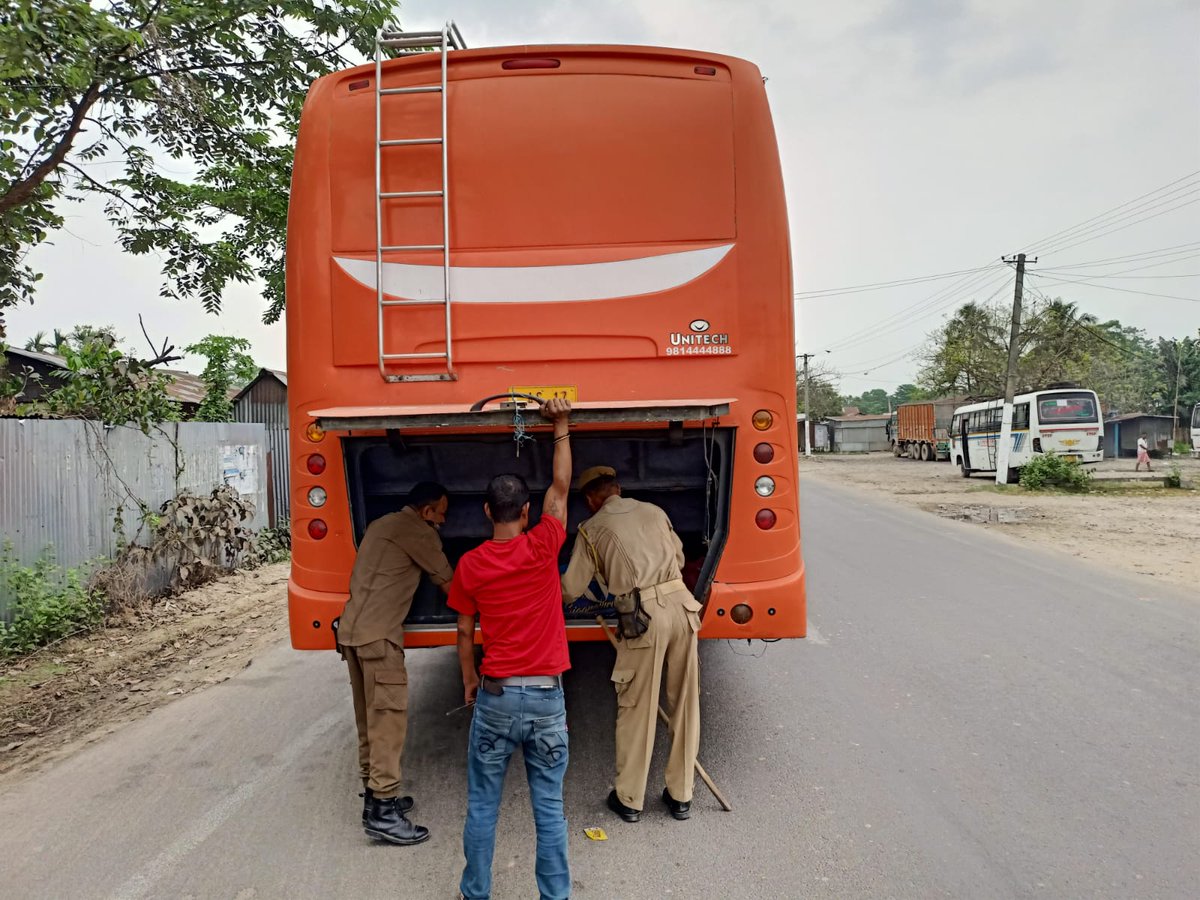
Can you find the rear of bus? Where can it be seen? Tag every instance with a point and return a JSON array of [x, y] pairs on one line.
[[618, 235], [1068, 423]]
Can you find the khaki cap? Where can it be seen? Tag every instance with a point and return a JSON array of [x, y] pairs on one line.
[[590, 475]]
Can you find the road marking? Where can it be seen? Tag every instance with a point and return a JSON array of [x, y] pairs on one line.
[[142, 884], [815, 636]]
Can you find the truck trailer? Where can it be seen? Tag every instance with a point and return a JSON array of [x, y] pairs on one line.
[[922, 430]]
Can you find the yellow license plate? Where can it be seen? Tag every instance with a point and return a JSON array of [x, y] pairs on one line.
[[1071, 457], [548, 391]]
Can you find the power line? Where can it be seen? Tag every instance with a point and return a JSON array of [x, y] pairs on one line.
[[919, 310], [1109, 287], [1157, 203], [880, 285], [1107, 212], [1133, 257], [1120, 228]]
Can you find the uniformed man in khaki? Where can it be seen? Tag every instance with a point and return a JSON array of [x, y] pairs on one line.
[[628, 544], [394, 552]]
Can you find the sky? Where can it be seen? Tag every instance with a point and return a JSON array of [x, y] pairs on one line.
[[918, 138]]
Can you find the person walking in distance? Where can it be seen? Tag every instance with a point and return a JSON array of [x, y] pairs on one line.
[[633, 552], [394, 552], [511, 583], [1143, 454]]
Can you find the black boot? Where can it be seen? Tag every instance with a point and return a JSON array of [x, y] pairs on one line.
[[628, 813], [406, 804], [680, 810], [386, 822]]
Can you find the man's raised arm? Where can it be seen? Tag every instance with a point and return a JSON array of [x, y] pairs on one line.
[[555, 503]]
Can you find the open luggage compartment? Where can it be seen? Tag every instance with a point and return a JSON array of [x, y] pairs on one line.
[[686, 471]]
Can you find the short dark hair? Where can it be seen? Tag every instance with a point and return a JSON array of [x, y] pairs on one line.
[[596, 485], [426, 493], [506, 496]]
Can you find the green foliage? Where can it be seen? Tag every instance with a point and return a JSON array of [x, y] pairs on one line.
[[1174, 478], [48, 603], [229, 366], [271, 545], [1181, 448], [102, 384], [1060, 343], [1050, 470], [909, 393], [823, 397], [870, 403], [157, 86]]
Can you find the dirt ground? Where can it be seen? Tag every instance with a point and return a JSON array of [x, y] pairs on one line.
[[1137, 527], [72, 694]]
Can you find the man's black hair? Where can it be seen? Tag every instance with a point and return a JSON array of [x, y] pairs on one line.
[[506, 495], [427, 493], [598, 484]]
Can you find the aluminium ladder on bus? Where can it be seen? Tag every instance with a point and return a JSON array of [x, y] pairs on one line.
[[404, 44]]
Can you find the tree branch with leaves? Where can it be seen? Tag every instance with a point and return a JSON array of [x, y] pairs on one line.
[[156, 86]]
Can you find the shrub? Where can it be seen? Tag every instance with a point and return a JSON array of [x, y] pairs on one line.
[[1174, 477], [1050, 470], [1181, 448], [48, 603], [271, 545]]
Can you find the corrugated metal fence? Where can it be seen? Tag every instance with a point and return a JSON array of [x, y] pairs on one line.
[[61, 483], [267, 403]]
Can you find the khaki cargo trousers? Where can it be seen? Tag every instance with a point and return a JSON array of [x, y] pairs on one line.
[[669, 642], [379, 683]]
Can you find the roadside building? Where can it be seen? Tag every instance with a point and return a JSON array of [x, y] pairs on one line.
[[1121, 434], [37, 369], [264, 400], [859, 433]]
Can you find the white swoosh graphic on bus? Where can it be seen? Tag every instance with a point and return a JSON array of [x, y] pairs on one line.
[[539, 284]]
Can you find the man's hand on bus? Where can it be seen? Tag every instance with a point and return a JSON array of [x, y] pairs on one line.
[[556, 409]]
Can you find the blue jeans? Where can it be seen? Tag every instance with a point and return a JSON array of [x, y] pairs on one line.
[[536, 720]]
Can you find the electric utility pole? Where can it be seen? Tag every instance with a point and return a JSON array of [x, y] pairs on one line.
[[1004, 447], [807, 444]]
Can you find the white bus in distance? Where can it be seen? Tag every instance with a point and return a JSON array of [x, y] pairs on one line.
[[1065, 421]]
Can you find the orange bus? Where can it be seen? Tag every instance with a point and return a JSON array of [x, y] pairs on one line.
[[604, 223]]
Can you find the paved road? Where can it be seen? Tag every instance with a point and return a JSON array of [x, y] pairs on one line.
[[969, 719]]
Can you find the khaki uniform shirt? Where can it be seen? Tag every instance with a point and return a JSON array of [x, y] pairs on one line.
[[635, 545], [396, 549]]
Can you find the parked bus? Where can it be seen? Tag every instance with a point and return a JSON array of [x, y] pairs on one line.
[[603, 223], [1065, 421], [1196, 430]]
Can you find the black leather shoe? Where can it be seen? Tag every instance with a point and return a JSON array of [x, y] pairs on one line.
[[679, 810], [406, 804], [385, 822], [628, 813]]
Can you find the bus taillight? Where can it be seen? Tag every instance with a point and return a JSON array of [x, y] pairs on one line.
[[317, 529], [765, 519], [763, 420], [314, 432], [741, 614], [764, 453], [316, 464]]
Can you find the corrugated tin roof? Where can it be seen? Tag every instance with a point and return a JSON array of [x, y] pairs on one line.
[[34, 356], [1128, 416], [277, 374], [883, 417], [185, 387]]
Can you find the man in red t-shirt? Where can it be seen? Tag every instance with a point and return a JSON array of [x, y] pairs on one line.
[[512, 584]]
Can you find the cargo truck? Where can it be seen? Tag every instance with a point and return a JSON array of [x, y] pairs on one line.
[[922, 430]]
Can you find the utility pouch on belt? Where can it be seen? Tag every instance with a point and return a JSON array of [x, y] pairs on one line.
[[632, 619], [336, 646]]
